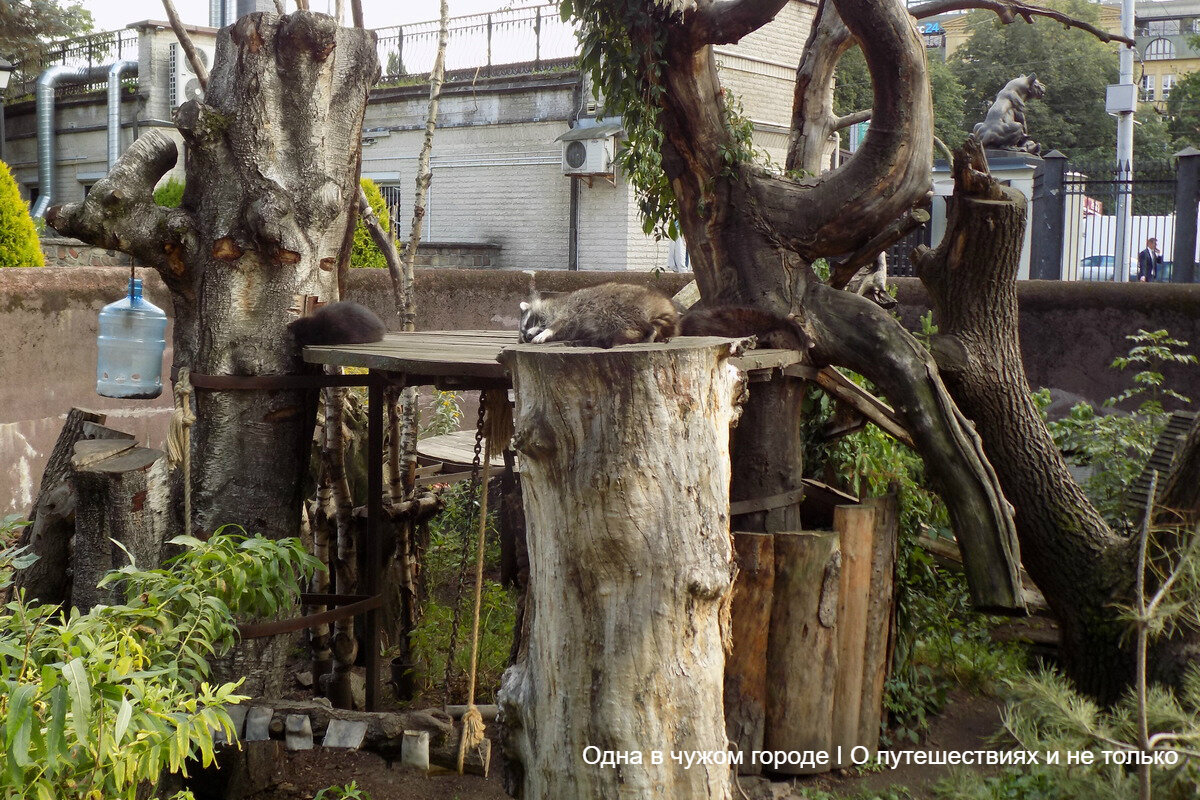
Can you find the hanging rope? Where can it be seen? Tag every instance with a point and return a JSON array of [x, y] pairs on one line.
[[179, 449]]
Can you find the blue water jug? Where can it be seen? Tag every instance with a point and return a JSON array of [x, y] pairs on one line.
[[131, 346]]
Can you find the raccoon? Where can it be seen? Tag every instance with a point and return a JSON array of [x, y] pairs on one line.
[[344, 322], [773, 332], [600, 316]]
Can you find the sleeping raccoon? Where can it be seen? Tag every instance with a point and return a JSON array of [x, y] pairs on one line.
[[344, 322], [600, 316], [773, 332]]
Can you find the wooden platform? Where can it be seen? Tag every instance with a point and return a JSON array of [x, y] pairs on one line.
[[468, 359]]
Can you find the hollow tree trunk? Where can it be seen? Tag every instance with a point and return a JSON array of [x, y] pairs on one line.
[[1078, 562], [271, 174], [625, 473]]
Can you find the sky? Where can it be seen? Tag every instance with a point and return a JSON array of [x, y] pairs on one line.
[[114, 14]]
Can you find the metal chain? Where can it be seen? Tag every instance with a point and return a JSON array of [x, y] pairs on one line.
[[466, 553]]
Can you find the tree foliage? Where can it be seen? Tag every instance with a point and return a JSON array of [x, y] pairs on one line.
[[1183, 110], [1074, 66], [19, 245], [98, 704], [24, 24], [365, 253]]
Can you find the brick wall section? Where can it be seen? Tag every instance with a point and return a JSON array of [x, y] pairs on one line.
[[63, 252]]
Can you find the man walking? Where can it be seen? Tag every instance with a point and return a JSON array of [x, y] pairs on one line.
[[1149, 261]]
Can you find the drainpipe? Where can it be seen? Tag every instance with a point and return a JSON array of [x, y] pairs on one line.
[[114, 108], [45, 125]]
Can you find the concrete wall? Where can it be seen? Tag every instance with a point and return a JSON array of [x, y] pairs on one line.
[[1070, 333]]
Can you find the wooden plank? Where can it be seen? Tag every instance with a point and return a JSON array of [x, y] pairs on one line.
[[855, 526], [881, 615], [746, 663], [456, 448], [802, 656], [858, 398]]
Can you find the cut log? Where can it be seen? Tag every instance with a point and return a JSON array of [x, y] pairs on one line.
[[881, 619], [123, 496], [802, 653], [746, 663], [855, 526], [625, 474], [52, 520]]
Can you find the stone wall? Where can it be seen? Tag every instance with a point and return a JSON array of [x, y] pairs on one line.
[[64, 252], [1070, 334]]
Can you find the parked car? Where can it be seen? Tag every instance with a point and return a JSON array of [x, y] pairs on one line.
[[1100, 268]]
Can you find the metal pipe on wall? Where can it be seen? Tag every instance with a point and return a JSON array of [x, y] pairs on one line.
[[114, 107], [47, 164]]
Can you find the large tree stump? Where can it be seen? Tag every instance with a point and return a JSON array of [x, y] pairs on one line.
[[625, 470], [123, 497]]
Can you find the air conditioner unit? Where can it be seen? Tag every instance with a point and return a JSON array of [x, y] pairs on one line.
[[588, 157], [184, 83]]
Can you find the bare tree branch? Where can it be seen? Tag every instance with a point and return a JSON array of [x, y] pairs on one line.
[[357, 13], [727, 21], [386, 246], [897, 230], [1009, 10], [851, 119], [813, 119], [279, 7], [185, 41]]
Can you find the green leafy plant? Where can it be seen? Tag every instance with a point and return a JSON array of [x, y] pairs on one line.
[[99, 705], [364, 252], [170, 193], [348, 792], [19, 245], [1151, 351], [447, 414]]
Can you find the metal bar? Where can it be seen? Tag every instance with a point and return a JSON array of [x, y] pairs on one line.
[[277, 627], [537, 39], [489, 45], [374, 516]]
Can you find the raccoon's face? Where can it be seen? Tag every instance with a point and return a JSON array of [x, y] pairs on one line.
[[533, 320]]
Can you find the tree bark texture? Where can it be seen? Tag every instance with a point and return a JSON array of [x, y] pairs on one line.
[[1078, 562], [746, 663], [625, 473], [856, 530], [753, 236], [122, 512]]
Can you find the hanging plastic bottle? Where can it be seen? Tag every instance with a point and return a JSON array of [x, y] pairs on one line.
[[131, 346]]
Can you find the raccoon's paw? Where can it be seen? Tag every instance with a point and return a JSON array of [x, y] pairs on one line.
[[544, 336]]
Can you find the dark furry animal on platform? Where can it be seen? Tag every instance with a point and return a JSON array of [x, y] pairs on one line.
[[344, 322], [600, 316], [773, 332]]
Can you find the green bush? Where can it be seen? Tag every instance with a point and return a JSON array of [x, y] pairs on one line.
[[365, 253], [19, 246], [169, 194], [96, 705]]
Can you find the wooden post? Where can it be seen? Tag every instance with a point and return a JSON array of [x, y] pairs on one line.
[[746, 664], [802, 653], [881, 616], [625, 473], [47, 580], [122, 495], [855, 526]]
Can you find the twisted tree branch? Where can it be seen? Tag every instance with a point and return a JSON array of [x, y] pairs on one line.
[[1009, 10], [727, 21], [185, 41]]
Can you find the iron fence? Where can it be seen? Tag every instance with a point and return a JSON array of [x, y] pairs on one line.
[[511, 42], [1093, 197], [94, 50]]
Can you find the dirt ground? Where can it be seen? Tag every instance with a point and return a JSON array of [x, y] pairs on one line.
[[966, 723]]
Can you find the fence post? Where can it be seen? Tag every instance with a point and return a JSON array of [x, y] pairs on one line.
[[1187, 192], [1046, 218], [537, 41]]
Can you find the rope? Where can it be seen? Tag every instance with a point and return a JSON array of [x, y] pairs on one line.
[[179, 449]]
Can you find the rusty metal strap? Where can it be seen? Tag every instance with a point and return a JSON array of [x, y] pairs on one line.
[[259, 630], [782, 500], [273, 382]]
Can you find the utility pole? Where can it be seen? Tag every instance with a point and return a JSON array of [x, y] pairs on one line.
[[1124, 173]]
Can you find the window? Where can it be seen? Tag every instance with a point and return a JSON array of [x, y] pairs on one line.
[[1147, 88], [1164, 27], [1168, 82], [1160, 50]]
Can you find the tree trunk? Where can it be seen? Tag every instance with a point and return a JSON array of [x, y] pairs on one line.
[[272, 172], [1078, 562], [625, 458], [746, 664]]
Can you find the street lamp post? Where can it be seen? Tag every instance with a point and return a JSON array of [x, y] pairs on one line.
[[6, 71]]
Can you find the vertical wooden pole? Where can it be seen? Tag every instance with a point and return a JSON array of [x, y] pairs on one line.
[[881, 616], [855, 526], [374, 556], [802, 653], [746, 663]]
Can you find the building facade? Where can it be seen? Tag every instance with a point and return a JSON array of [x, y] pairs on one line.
[[500, 176]]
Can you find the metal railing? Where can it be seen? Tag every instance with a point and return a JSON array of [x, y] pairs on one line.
[[500, 43], [93, 50]]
